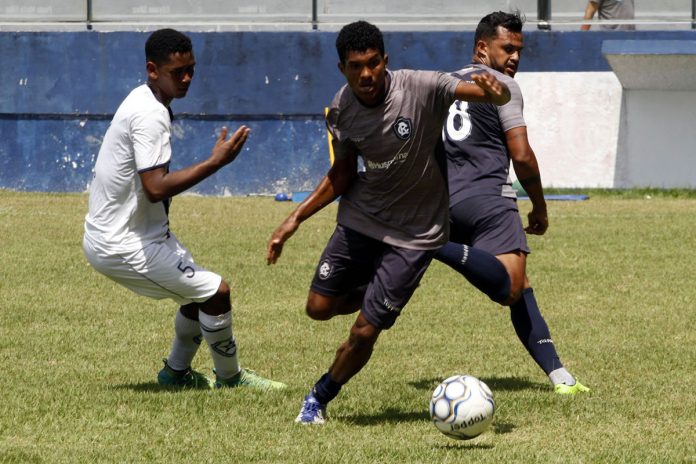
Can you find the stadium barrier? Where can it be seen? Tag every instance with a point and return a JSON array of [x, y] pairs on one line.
[[61, 89], [656, 133]]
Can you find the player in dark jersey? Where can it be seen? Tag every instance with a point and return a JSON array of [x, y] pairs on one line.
[[487, 244], [393, 216]]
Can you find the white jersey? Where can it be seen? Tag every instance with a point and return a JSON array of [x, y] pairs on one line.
[[121, 219]]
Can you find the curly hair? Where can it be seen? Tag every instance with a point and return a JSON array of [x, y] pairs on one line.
[[165, 42], [359, 36], [488, 26]]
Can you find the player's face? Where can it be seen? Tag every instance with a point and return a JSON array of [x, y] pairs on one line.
[[366, 75], [172, 79], [503, 52]]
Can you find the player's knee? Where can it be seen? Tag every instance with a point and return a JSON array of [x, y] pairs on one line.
[[219, 303], [514, 295], [363, 337], [319, 307], [223, 290]]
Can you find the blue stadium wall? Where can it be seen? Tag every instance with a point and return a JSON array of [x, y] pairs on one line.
[[60, 90]]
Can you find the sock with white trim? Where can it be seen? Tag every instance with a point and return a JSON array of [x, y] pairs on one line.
[[187, 339], [217, 332]]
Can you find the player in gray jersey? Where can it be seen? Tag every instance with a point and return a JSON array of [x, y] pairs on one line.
[[609, 10], [488, 244], [391, 217]]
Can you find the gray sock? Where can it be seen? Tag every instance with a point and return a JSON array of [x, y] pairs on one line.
[[561, 376]]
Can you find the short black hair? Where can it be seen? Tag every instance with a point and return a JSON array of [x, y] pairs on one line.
[[488, 26], [359, 36], [163, 43]]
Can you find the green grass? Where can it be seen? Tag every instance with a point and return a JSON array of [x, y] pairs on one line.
[[79, 355]]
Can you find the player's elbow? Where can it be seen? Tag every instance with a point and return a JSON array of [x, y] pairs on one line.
[[155, 195]]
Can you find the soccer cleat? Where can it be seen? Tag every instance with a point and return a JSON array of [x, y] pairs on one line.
[[188, 378], [250, 379], [312, 411], [577, 387]]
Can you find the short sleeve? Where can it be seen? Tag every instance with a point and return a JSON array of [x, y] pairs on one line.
[[151, 138], [511, 113], [446, 87], [339, 144]]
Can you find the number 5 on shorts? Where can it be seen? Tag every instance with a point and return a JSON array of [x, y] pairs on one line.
[[186, 269]]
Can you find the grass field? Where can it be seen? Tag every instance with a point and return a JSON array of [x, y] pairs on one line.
[[79, 355]]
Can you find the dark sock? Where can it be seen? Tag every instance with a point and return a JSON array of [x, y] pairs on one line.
[[326, 389], [479, 267], [533, 332]]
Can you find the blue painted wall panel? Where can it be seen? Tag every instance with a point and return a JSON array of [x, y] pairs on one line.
[[61, 88], [58, 155], [247, 73]]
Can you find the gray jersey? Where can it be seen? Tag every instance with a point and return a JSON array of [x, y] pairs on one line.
[[615, 9], [478, 161], [401, 197]]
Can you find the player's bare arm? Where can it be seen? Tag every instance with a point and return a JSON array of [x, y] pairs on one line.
[[527, 170], [160, 184], [590, 11], [485, 89], [336, 181]]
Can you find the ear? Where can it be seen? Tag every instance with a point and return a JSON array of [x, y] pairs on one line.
[[481, 51], [342, 68], [386, 60], [152, 71]]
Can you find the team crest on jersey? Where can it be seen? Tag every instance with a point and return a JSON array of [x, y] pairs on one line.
[[402, 128], [325, 269]]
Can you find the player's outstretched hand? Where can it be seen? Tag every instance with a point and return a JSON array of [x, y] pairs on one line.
[[499, 92], [278, 239], [538, 222], [226, 150]]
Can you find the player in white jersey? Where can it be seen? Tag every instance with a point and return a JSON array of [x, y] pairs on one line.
[[393, 216], [488, 245], [127, 235]]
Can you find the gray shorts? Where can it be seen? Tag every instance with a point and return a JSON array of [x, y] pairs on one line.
[[390, 274], [490, 223]]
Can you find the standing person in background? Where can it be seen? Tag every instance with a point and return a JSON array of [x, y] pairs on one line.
[[608, 10], [127, 235], [487, 244], [392, 217]]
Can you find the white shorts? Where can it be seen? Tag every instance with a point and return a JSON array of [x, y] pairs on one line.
[[160, 270]]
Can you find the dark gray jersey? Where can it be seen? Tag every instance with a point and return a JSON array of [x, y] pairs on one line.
[[401, 197], [478, 161]]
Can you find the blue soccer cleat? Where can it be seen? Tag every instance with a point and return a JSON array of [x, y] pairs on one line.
[[312, 411]]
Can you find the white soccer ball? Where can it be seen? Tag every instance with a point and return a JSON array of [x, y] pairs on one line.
[[462, 407]]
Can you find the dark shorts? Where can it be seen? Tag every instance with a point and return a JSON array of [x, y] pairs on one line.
[[488, 222], [390, 274]]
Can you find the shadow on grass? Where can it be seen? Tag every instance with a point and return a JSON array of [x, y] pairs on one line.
[[465, 445], [495, 384], [396, 415], [502, 428], [388, 415], [151, 387]]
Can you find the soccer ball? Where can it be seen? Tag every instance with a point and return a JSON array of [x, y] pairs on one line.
[[462, 407]]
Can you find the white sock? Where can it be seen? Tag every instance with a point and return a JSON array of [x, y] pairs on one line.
[[187, 339], [217, 331], [561, 375]]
